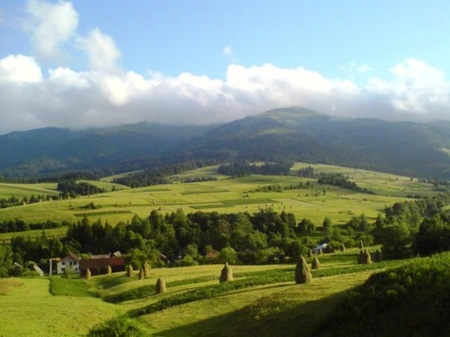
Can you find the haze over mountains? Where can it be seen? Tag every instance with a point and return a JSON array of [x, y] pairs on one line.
[[293, 134]]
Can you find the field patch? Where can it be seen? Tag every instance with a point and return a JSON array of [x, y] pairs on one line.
[[7, 285], [204, 191], [30, 310], [83, 214], [76, 287]]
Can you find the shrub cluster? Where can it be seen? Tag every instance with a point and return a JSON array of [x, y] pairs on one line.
[[411, 300]]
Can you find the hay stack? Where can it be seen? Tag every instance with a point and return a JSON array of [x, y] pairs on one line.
[[365, 257], [310, 253], [227, 274], [141, 273], [302, 272], [88, 274], [377, 256], [342, 248], [130, 271], [315, 263], [160, 286], [361, 244], [146, 269], [108, 270], [361, 257]]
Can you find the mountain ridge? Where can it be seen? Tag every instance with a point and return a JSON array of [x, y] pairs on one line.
[[283, 134]]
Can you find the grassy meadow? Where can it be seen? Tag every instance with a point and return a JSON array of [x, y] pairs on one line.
[[224, 195], [261, 301], [265, 299]]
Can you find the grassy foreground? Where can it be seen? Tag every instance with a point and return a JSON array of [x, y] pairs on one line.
[[261, 301], [29, 309]]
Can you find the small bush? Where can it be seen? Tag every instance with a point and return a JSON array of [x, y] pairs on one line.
[[120, 327]]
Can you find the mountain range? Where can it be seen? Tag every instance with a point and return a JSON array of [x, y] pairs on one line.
[[286, 134]]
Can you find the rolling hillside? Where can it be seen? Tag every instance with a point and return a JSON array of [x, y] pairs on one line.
[[293, 134]]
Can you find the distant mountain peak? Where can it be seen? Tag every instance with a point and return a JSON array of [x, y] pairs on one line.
[[290, 112]]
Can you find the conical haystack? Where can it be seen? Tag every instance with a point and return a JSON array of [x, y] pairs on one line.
[[377, 256], [130, 271], [88, 274], [342, 248], [146, 269], [315, 263], [160, 286], [302, 272], [361, 244], [141, 273], [361, 257], [227, 274], [109, 270], [367, 258], [310, 253]]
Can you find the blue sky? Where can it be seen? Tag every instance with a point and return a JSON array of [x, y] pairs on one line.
[[98, 63]]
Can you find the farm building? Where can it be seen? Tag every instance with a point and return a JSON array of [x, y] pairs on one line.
[[71, 261], [98, 264]]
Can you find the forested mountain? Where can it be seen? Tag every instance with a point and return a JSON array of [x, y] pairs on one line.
[[291, 134], [53, 151]]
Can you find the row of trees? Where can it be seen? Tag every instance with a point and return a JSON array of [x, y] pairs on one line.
[[19, 225], [72, 189], [407, 228], [243, 168], [338, 179], [17, 201], [158, 171]]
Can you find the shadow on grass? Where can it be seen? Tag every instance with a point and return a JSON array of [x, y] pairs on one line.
[[268, 316]]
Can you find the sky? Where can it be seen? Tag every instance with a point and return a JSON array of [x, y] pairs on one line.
[[79, 63]]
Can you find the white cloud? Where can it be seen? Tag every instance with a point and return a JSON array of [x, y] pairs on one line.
[[19, 68], [227, 51], [108, 95], [101, 50], [67, 98], [50, 27]]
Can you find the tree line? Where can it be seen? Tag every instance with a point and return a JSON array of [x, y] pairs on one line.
[[243, 168], [406, 229]]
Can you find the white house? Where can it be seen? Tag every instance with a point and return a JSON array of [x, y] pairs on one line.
[[71, 261]]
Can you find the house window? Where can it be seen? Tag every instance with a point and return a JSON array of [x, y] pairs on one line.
[[64, 263]]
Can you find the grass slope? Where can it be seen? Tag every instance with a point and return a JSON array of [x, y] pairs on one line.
[[227, 195], [28, 309]]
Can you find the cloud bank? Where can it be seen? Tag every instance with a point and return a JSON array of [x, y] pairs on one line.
[[105, 94]]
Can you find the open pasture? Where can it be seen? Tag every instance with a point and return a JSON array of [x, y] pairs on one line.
[[301, 196], [26, 190], [29, 309], [262, 299], [196, 304]]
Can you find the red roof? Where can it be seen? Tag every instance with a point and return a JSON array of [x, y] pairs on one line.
[[101, 262]]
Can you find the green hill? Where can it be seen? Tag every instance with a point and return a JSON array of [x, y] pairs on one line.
[[289, 134]]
